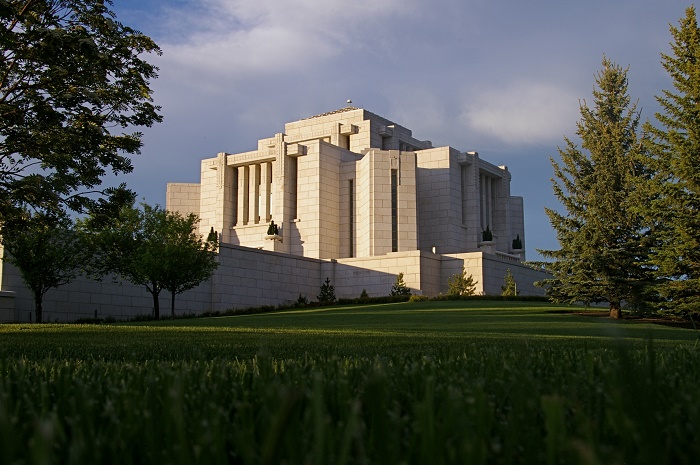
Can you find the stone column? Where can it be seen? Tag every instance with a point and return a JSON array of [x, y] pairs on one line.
[[266, 192], [243, 174], [254, 194]]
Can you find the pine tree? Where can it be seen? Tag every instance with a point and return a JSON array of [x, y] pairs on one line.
[[510, 287], [675, 149], [461, 284], [601, 235], [399, 288], [327, 295]]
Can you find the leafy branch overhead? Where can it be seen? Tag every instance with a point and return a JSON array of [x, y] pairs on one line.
[[72, 84]]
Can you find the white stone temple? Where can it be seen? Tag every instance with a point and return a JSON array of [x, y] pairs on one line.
[[351, 184]]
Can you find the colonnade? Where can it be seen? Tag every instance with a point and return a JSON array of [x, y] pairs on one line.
[[253, 194]]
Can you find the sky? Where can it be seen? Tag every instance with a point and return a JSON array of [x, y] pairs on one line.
[[501, 77]]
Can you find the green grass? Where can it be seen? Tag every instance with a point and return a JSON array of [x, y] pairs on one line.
[[430, 382]]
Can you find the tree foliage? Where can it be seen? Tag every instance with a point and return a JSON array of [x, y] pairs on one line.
[[674, 206], [72, 81], [327, 295], [47, 251], [509, 287], [601, 235], [399, 288], [155, 248], [461, 284]]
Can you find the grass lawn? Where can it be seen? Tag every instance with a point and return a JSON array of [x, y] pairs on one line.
[[428, 382]]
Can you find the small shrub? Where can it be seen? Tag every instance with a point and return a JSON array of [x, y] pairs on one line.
[[399, 288], [517, 243], [419, 298], [272, 229], [509, 288], [364, 295], [327, 295], [302, 301], [460, 285]]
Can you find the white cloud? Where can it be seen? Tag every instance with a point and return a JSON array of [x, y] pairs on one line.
[[243, 38], [523, 113]]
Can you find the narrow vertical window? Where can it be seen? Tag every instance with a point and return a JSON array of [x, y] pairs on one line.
[[234, 197], [465, 187], [257, 197], [293, 168], [268, 193], [246, 194], [394, 212], [351, 217]]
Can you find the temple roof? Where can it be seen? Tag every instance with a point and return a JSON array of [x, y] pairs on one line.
[[334, 112]]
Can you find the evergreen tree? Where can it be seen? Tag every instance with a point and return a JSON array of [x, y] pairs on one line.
[[675, 152], [510, 287], [602, 253], [461, 284], [327, 295], [399, 288]]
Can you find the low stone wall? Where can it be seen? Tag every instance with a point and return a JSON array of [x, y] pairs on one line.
[[7, 306], [249, 277]]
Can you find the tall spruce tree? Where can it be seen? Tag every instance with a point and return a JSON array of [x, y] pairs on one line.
[[675, 153], [601, 236]]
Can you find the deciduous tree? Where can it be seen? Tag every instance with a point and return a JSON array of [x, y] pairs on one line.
[[155, 248], [72, 82], [47, 251], [601, 235]]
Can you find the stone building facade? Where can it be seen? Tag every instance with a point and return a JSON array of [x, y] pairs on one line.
[[351, 184], [352, 187]]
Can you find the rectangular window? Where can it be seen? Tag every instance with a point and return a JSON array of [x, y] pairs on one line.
[[465, 190], [257, 199], [487, 198], [394, 211], [234, 196], [351, 217], [246, 194], [293, 173]]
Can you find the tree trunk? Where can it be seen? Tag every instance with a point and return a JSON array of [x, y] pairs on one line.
[[156, 305], [38, 312], [615, 310], [172, 304]]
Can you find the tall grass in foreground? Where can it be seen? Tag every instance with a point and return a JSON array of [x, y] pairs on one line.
[[482, 404]]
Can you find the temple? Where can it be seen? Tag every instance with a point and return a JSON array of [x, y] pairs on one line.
[[353, 187], [346, 196], [351, 184]]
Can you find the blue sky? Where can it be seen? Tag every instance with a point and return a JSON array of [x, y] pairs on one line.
[[503, 77]]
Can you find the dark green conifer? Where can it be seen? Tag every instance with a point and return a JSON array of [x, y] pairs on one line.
[[601, 235]]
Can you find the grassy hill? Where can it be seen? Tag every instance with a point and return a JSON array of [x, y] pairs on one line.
[[429, 382]]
